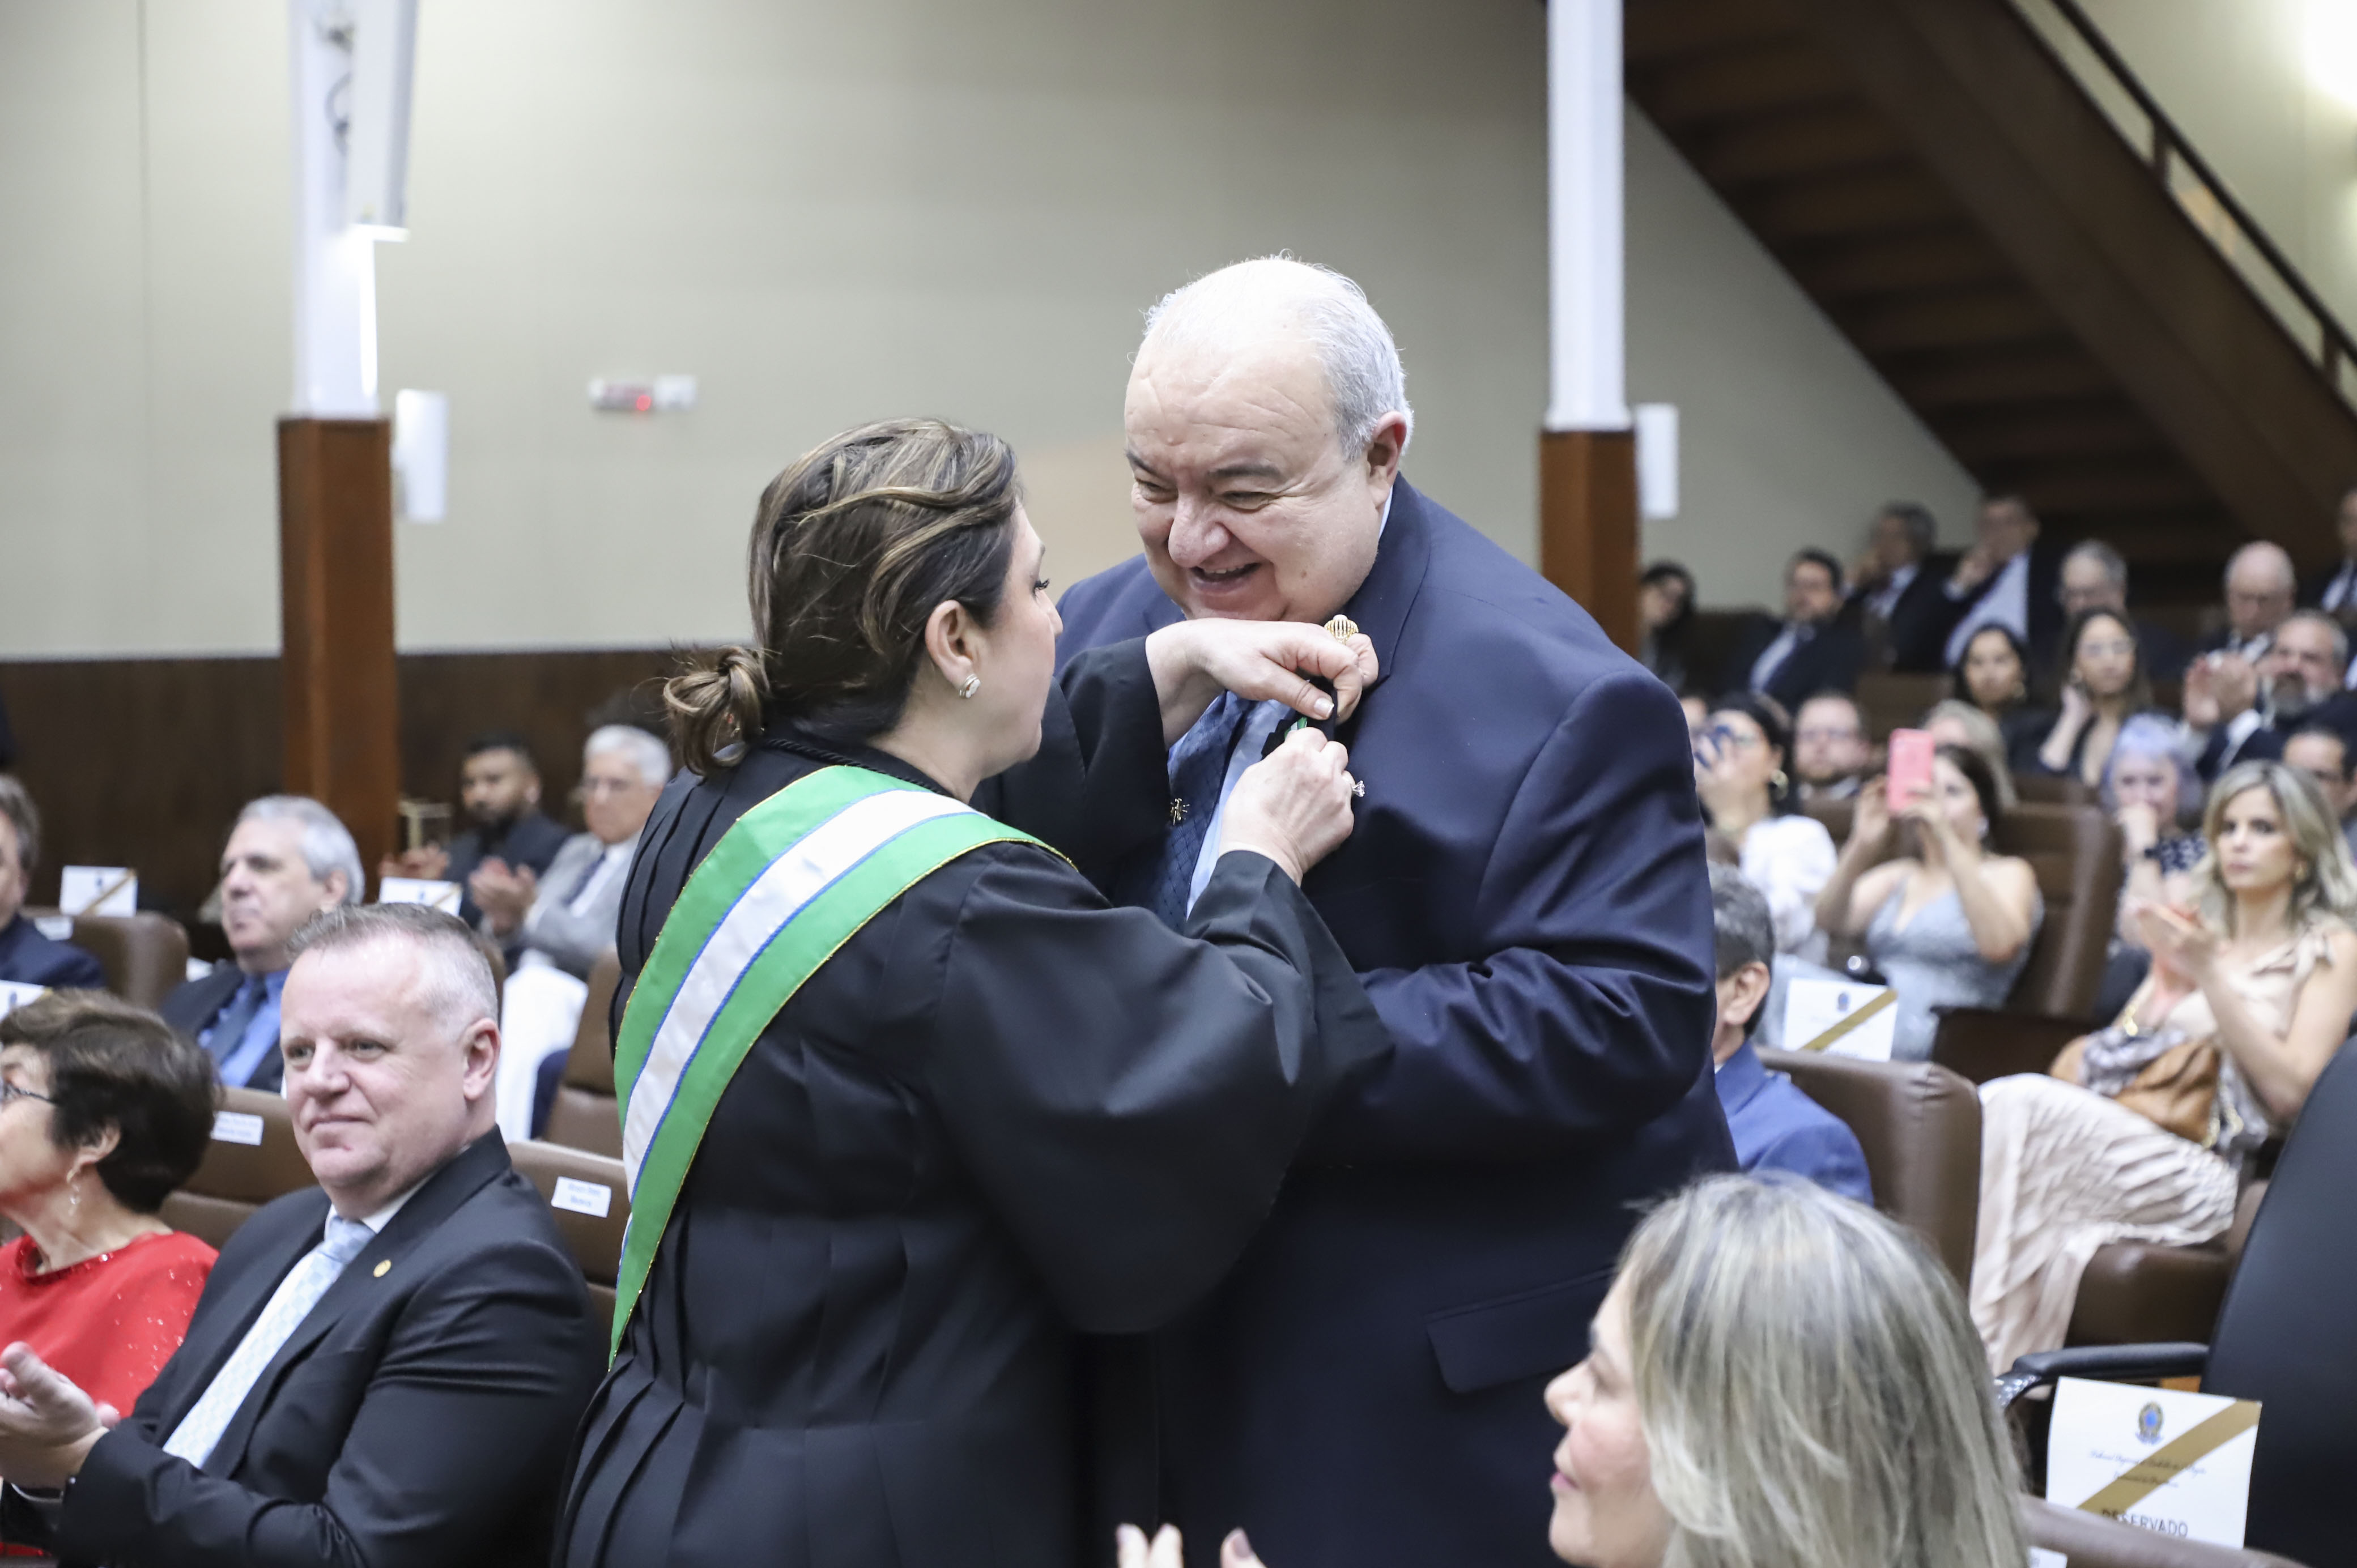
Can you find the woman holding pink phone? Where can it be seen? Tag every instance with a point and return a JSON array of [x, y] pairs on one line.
[[1949, 925]]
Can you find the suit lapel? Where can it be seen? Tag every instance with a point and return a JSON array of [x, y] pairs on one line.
[[365, 1278], [210, 1342]]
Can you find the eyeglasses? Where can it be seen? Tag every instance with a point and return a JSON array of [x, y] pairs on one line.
[[9, 1092]]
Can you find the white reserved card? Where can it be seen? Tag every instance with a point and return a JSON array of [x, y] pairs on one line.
[[15, 993], [442, 895], [591, 1197], [98, 890], [1840, 1017], [2176, 1464], [238, 1127]]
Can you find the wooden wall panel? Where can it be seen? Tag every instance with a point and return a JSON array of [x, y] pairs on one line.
[[144, 762]]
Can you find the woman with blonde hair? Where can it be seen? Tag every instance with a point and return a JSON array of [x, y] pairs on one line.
[[1779, 1377], [2139, 1131]]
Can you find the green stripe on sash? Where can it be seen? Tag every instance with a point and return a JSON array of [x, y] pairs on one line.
[[824, 856]]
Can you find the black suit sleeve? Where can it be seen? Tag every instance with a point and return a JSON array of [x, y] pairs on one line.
[[1129, 1096], [473, 1397]]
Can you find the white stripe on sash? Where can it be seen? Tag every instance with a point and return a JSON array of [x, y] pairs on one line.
[[776, 896]]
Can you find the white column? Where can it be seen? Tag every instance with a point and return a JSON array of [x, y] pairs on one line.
[[335, 266], [1586, 385]]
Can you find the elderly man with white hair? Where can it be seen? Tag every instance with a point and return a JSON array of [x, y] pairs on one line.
[[2262, 590], [553, 928], [1525, 898], [287, 858], [384, 1369]]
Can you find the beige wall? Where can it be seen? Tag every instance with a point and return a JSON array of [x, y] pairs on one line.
[[826, 213]]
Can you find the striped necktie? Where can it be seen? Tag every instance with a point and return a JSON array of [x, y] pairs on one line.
[[1198, 766]]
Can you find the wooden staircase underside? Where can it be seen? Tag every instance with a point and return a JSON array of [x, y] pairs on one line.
[[1944, 189]]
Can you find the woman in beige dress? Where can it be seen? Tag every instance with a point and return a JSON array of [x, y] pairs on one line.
[[2265, 973]]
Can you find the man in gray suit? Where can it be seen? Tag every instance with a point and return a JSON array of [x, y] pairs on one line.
[[554, 927]]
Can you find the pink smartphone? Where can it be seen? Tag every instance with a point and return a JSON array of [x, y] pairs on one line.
[[1911, 765]]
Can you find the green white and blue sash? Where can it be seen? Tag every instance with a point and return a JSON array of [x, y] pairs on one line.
[[788, 884]]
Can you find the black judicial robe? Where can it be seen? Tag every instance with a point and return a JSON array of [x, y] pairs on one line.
[[1000, 1113]]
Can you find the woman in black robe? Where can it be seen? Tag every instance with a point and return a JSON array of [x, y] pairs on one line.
[[1002, 1113]]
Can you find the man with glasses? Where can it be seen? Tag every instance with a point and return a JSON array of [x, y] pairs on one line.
[[2297, 684], [1830, 753], [2095, 576]]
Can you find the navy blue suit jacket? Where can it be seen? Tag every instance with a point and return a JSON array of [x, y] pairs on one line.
[[1777, 1127], [30, 957], [1524, 898]]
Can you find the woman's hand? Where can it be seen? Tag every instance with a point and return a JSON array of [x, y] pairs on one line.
[[1869, 823], [1164, 1550], [1724, 795], [1194, 661], [2139, 829], [2177, 941], [1293, 805]]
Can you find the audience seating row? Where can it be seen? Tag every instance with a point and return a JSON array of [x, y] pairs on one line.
[[144, 955]]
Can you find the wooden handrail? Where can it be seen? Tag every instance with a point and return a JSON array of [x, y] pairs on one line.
[[2334, 344]]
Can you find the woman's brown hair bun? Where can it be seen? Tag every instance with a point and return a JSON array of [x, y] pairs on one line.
[[852, 547]]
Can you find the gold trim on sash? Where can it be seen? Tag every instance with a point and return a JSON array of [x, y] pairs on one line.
[[1887, 999]]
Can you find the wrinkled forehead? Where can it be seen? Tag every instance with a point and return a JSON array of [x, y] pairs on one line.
[[1229, 397], [378, 990]]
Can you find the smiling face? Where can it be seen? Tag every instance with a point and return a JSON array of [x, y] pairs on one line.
[[1993, 672], [382, 1085], [2254, 850], [1247, 505], [1606, 1513]]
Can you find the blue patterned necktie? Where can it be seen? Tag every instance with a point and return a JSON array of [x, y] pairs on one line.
[[201, 1430], [1198, 766], [230, 1023]]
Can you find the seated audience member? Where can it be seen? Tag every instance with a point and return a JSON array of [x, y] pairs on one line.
[[1994, 676], [2262, 590], [1952, 722], [2244, 712], [2005, 579], [1949, 925], [1778, 1378], [288, 858], [569, 919], [1808, 651], [1775, 1126], [499, 788], [2096, 578], [421, 1417], [2335, 592], [1665, 606], [1830, 751], [2139, 1132], [2103, 685], [26, 955], [2152, 793], [104, 1111], [1893, 583], [1739, 762], [2325, 756]]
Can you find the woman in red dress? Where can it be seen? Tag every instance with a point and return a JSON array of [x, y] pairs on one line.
[[103, 1111]]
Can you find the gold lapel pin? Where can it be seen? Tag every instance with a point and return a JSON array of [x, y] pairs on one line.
[[384, 1268]]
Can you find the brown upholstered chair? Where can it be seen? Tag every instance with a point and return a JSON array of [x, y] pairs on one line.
[[2091, 1540], [1921, 1127], [2051, 790], [250, 1160], [584, 1115], [586, 1181], [144, 955], [1892, 700]]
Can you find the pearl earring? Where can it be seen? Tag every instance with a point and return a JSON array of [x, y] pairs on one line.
[[972, 684]]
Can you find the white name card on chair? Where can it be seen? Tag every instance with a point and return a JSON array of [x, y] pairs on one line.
[[15, 993], [98, 890], [2176, 1464], [1839, 1017], [442, 895], [591, 1197], [238, 1127]]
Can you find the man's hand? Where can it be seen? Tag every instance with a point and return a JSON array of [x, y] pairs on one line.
[[503, 895], [1163, 1550], [48, 1427], [1973, 568], [1194, 661]]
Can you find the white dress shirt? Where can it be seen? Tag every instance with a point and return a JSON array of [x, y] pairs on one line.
[[2006, 604]]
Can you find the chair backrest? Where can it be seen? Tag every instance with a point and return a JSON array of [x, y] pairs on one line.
[[584, 1115], [144, 955], [250, 1160], [2075, 850], [2052, 790], [2283, 1333], [592, 1206], [2091, 1540], [1920, 1125], [1890, 701]]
